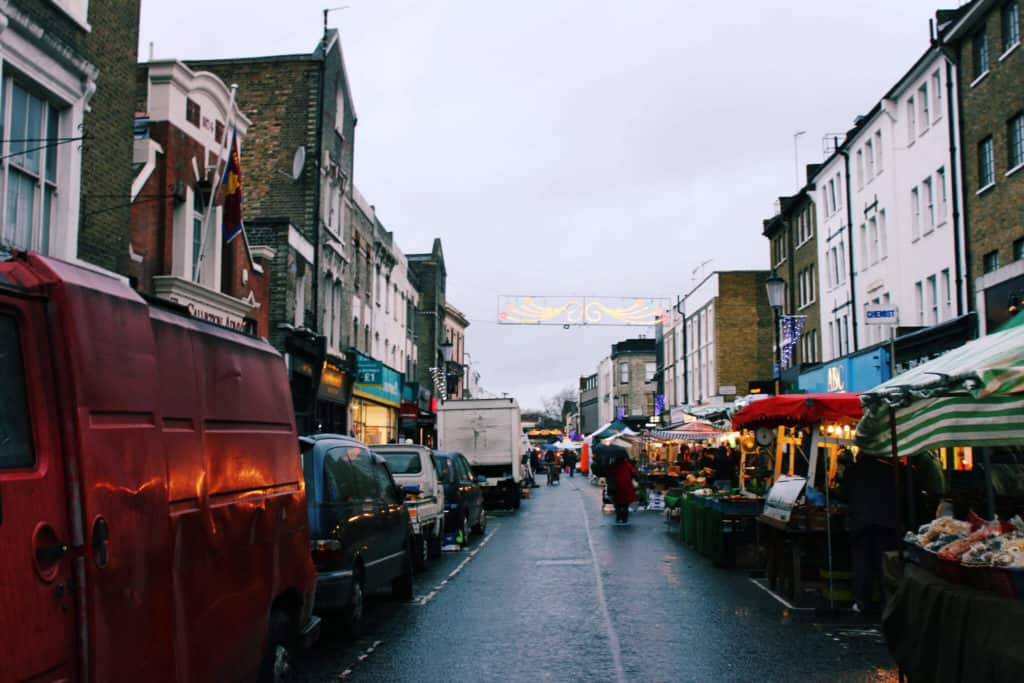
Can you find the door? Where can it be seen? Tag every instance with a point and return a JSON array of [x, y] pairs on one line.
[[394, 519], [37, 620]]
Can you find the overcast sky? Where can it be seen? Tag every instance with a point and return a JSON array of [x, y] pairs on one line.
[[576, 147]]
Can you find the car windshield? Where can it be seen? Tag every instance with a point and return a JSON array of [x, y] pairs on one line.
[[403, 462]]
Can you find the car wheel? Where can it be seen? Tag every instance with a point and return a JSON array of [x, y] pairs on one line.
[[481, 524], [353, 615], [276, 666], [465, 529], [420, 552], [401, 587]]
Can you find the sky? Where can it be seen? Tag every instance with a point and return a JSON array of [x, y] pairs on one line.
[[576, 147]]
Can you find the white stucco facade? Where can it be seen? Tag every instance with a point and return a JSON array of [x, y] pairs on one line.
[[605, 391], [833, 256]]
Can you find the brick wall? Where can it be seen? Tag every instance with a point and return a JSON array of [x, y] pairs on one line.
[[743, 329], [996, 217], [107, 149]]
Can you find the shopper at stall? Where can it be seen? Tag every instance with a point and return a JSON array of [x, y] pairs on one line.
[[870, 489], [724, 469], [621, 475]]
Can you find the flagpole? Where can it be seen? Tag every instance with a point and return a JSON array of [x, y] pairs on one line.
[[228, 131]]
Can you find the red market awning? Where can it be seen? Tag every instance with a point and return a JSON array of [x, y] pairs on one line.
[[799, 410]]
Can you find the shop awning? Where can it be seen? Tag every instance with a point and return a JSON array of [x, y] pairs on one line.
[[608, 430], [694, 431], [971, 396], [799, 410]]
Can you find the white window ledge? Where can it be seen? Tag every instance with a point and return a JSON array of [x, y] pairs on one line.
[[985, 189], [979, 79], [1014, 169], [1009, 51]]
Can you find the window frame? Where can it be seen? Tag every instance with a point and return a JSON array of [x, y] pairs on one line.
[[986, 164], [1009, 30]]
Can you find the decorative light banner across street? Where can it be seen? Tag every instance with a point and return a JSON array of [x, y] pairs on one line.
[[581, 310]]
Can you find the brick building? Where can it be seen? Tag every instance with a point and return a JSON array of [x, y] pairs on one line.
[[177, 252], [455, 324], [298, 196], [49, 76], [793, 236], [984, 38], [726, 340], [430, 276], [634, 382]]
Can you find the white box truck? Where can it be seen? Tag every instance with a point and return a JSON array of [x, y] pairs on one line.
[[488, 431]]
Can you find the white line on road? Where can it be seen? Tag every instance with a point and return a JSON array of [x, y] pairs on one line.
[[424, 599], [780, 598], [613, 637]]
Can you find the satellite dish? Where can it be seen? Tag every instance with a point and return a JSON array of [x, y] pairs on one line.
[[298, 162]]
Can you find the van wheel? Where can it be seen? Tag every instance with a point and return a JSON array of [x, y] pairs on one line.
[[401, 587], [481, 526], [420, 552], [353, 614], [276, 666]]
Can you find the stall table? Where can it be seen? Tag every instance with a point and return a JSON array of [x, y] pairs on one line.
[[715, 527], [786, 544]]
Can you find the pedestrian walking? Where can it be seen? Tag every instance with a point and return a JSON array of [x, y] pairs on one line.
[[621, 475], [570, 462]]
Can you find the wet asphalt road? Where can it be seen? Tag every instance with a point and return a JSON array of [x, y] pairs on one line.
[[556, 593]]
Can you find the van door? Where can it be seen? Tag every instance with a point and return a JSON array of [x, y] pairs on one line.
[[37, 624]]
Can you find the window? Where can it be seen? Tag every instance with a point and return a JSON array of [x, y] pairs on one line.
[[936, 95], [860, 169], [832, 196], [28, 179], [940, 179], [649, 369], [986, 164], [929, 198], [911, 120], [339, 108], [198, 211], [624, 373], [915, 214], [1009, 17], [863, 246], [192, 112], [919, 302], [1015, 140], [869, 154], [839, 191], [979, 51], [883, 243], [841, 256], [878, 151], [922, 101], [387, 295], [933, 300], [341, 479], [1018, 249], [14, 418], [873, 236], [990, 261], [947, 296]]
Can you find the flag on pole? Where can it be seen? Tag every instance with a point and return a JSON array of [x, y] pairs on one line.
[[233, 192]]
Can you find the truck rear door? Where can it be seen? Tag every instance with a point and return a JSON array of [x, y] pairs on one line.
[[37, 620]]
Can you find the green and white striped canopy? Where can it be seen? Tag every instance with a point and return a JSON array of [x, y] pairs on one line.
[[971, 396]]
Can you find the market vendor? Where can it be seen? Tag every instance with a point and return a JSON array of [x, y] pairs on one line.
[[873, 519]]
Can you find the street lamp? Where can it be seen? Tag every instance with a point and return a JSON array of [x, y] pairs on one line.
[[776, 287]]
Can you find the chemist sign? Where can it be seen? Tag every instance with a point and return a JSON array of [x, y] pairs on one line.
[[882, 314]]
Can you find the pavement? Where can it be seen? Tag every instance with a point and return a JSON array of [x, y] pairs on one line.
[[557, 592]]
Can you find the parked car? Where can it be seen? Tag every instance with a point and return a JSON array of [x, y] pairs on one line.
[[414, 469], [463, 494], [153, 523], [359, 529]]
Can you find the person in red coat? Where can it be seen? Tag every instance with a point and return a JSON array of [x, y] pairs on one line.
[[621, 475]]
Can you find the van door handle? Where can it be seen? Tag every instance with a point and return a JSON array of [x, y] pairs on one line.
[[47, 554], [100, 542]]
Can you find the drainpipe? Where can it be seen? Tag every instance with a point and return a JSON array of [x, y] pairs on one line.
[[319, 170], [955, 128], [849, 246]]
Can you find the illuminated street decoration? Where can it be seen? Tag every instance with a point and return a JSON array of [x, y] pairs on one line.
[[580, 310]]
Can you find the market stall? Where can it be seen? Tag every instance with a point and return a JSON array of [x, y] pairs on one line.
[[965, 410], [665, 448], [801, 528]]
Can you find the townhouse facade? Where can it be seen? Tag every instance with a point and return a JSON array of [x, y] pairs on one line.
[[588, 403], [455, 324], [634, 380]]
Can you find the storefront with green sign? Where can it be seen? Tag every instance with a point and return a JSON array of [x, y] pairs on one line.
[[376, 398]]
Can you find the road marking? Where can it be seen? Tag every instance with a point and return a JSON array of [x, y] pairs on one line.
[[422, 600], [550, 563], [780, 599], [613, 637], [362, 657]]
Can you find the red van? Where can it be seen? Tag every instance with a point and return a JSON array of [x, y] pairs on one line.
[[152, 505]]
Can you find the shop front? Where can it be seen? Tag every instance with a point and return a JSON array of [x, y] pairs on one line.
[[333, 396], [304, 355], [856, 372], [376, 399], [414, 415]]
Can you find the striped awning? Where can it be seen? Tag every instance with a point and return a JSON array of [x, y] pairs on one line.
[[694, 431], [971, 396]]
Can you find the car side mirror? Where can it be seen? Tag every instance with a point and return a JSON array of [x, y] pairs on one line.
[[481, 479]]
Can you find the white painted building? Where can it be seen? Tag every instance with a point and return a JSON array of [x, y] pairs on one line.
[[46, 85], [672, 360], [902, 246], [605, 391]]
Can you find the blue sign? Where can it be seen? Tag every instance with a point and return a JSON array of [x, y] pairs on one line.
[[377, 382], [858, 372]]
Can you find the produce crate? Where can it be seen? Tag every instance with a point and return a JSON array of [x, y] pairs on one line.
[[737, 507]]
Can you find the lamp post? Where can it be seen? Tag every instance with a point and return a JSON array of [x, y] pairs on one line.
[[776, 287], [445, 348]]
